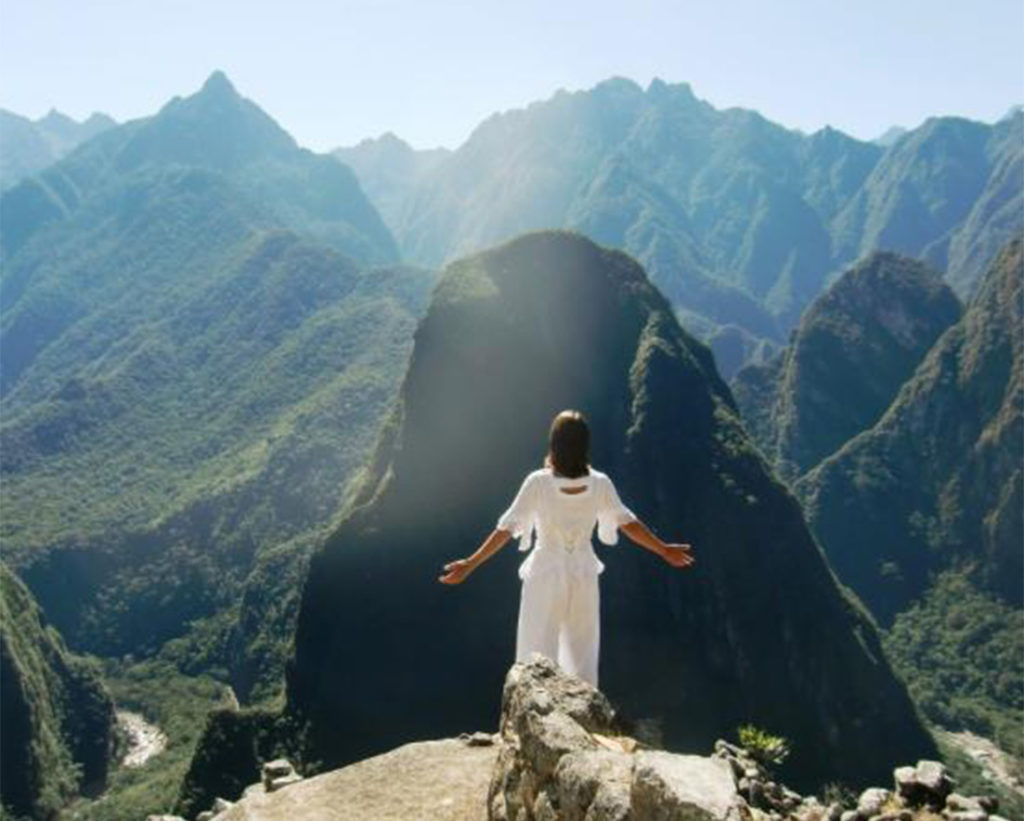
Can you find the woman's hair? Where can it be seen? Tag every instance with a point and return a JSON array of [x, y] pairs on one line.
[[569, 445]]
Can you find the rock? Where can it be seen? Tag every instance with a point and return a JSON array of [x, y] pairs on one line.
[[282, 782], [444, 780], [849, 815], [967, 815], [278, 768], [477, 739], [956, 802], [871, 802], [989, 803], [932, 776], [905, 779], [164, 818], [594, 785], [221, 805], [669, 786], [205, 815]]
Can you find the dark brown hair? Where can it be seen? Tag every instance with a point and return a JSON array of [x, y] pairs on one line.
[[569, 445]]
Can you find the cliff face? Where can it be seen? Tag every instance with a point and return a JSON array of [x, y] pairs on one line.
[[852, 351], [758, 631], [57, 731], [938, 480]]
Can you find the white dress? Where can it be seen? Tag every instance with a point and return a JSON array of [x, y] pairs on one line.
[[559, 609]]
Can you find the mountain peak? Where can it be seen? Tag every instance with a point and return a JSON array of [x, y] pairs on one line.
[[218, 84]]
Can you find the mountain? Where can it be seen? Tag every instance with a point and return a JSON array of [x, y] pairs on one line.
[[740, 221], [854, 348], [191, 375], [945, 187], [218, 131], [30, 146], [890, 135], [389, 169], [57, 734], [759, 631], [937, 482]]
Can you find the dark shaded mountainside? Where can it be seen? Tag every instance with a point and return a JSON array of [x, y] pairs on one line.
[[739, 221], [58, 719], [852, 351], [937, 482], [758, 631], [29, 146], [196, 351]]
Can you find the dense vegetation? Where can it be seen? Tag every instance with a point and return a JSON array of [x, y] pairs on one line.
[[58, 718], [852, 351], [961, 651], [937, 482]]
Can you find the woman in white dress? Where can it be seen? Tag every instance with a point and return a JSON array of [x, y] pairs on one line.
[[559, 610]]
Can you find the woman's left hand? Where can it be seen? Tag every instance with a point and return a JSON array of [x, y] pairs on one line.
[[457, 571]]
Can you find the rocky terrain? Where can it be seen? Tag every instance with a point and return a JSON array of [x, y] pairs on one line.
[[562, 752]]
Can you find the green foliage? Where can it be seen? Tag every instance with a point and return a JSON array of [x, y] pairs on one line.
[[178, 705], [961, 652], [762, 745]]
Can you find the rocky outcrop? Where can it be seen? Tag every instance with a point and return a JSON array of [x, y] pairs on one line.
[[854, 348], [757, 631], [563, 752]]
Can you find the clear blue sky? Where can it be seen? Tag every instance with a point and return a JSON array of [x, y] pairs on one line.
[[335, 71]]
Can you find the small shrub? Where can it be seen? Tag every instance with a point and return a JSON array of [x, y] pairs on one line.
[[764, 747]]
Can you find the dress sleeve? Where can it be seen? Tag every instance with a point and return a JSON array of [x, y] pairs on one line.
[[521, 512], [612, 513]]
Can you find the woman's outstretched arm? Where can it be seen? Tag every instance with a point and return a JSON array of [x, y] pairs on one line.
[[677, 555], [459, 569]]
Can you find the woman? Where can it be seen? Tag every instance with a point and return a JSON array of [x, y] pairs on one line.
[[559, 608]]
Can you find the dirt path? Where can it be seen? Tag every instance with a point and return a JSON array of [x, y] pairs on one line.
[[145, 740]]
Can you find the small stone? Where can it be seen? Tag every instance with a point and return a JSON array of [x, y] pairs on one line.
[[967, 815], [871, 801], [164, 818], [278, 768], [205, 815], [834, 811], [221, 805], [849, 815], [957, 802], [282, 782], [906, 781], [477, 739]]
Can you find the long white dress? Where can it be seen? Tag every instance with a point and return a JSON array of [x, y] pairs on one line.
[[559, 609]]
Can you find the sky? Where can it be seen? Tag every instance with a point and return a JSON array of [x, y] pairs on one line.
[[337, 71]]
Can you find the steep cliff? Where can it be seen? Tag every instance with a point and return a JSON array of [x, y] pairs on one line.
[[852, 351], [759, 631], [937, 481], [58, 719]]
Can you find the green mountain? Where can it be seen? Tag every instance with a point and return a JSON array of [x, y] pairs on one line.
[[57, 733], [739, 221], [191, 376], [32, 145], [759, 631], [389, 169], [937, 482], [219, 131], [854, 348]]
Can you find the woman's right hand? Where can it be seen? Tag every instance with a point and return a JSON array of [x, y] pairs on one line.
[[458, 570], [678, 555]]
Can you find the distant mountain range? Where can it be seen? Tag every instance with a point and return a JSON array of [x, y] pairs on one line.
[[32, 145], [196, 348], [740, 221]]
